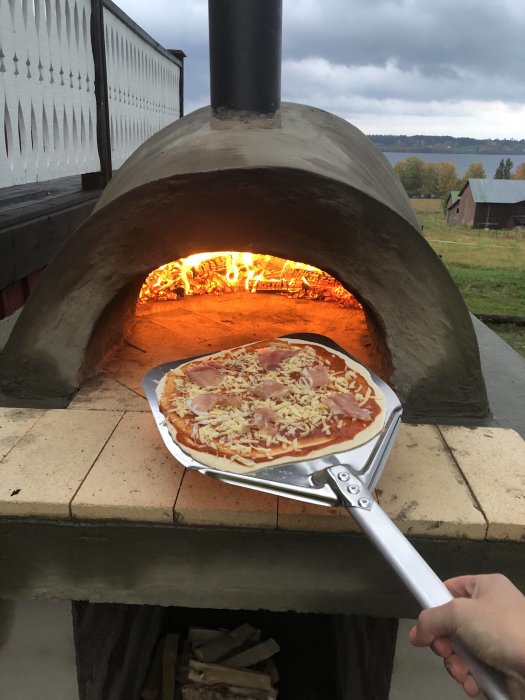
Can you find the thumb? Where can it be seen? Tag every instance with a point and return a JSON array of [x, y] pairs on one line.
[[434, 622]]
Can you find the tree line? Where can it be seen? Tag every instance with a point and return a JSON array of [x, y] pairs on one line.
[[447, 144], [420, 178]]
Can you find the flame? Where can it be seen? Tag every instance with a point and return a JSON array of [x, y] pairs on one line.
[[224, 272]]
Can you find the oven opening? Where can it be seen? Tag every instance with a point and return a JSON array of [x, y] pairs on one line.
[[212, 301]]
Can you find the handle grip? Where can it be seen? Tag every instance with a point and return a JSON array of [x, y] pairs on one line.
[[409, 565]]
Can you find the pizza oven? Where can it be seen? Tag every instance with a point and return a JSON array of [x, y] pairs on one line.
[[295, 187]]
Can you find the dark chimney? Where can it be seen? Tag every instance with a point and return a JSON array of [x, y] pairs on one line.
[[245, 57]]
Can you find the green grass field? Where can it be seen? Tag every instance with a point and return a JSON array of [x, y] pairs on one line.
[[487, 266]]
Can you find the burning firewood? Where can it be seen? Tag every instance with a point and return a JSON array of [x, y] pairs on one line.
[[220, 273]]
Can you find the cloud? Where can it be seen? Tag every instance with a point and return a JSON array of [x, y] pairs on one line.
[[391, 81], [463, 118], [419, 34], [455, 64]]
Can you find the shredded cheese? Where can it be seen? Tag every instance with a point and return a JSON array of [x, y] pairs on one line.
[[244, 426]]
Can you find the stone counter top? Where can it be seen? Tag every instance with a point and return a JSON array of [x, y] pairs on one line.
[[97, 464], [93, 507]]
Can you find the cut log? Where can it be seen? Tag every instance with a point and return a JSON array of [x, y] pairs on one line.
[[183, 663], [151, 689], [200, 692], [226, 643], [169, 659], [199, 636], [269, 667], [210, 674], [253, 655]]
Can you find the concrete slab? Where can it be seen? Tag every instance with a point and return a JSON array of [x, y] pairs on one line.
[[493, 462], [134, 478], [204, 501], [14, 423], [419, 674], [37, 651], [41, 474], [103, 393], [423, 490], [504, 375]]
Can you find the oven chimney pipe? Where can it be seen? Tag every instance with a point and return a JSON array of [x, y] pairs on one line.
[[245, 57]]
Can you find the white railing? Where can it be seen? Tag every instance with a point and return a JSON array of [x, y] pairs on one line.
[[143, 88], [50, 88], [47, 97]]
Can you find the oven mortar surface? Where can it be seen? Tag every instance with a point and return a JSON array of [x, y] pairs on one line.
[[315, 185]]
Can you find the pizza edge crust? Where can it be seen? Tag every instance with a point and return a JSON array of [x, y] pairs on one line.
[[225, 464]]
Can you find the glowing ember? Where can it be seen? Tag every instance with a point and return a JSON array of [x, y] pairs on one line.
[[224, 272]]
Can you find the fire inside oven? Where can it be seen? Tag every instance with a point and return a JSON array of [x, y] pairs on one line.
[[229, 272], [212, 301]]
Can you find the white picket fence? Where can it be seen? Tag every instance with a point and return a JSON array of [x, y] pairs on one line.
[[47, 89]]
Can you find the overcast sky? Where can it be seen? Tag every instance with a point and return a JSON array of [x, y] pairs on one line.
[[387, 66]]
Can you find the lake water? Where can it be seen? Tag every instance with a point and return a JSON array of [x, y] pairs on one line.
[[460, 160]]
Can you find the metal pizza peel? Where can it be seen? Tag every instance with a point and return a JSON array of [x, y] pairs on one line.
[[342, 478]]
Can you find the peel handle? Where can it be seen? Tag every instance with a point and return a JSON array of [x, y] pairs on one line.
[[409, 565]]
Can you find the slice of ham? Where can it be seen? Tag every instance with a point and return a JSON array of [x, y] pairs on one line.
[[202, 403], [270, 358], [206, 374], [317, 376], [270, 390], [346, 403], [233, 400], [264, 418]]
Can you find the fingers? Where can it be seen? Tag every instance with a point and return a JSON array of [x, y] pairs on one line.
[[454, 664], [471, 688], [461, 586], [459, 672], [433, 623], [442, 646], [478, 585]]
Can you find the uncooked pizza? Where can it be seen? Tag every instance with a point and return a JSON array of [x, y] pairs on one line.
[[269, 403]]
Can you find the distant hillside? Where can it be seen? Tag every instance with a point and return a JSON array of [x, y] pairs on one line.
[[448, 144]]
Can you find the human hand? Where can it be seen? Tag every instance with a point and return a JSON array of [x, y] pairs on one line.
[[488, 618]]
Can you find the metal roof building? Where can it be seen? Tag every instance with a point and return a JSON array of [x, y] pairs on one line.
[[497, 191], [488, 203]]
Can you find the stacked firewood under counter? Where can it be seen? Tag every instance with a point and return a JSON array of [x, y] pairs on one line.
[[213, 664]]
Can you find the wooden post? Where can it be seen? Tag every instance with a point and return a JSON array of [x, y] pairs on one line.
[[180, 55], [101, 179]]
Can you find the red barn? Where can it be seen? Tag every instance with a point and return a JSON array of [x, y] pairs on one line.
[[487, 203]]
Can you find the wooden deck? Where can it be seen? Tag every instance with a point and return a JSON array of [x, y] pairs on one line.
[[35, 220]]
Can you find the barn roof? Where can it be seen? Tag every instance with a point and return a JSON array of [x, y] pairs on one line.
[[497, 191], [452, 198]]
